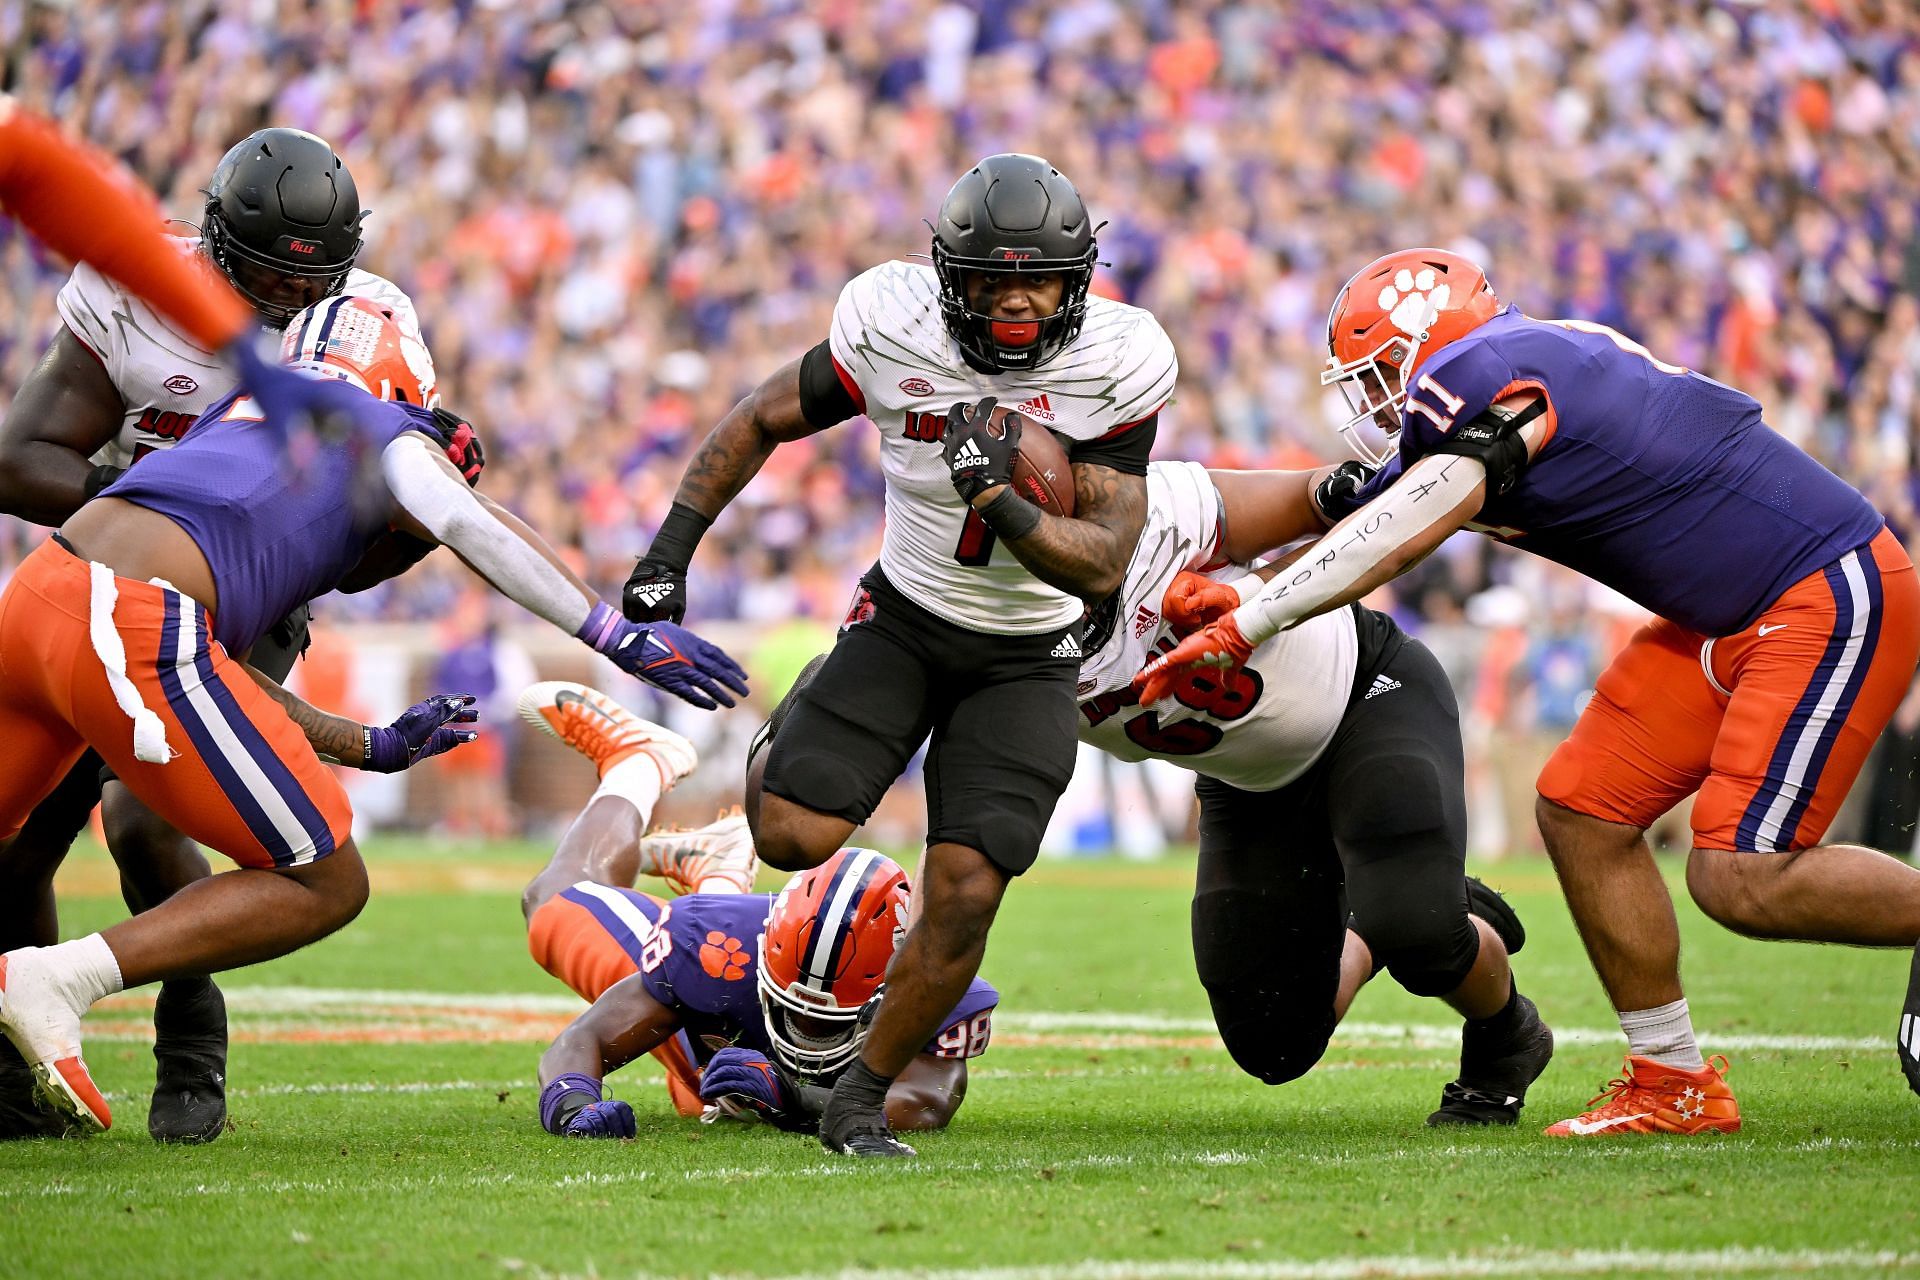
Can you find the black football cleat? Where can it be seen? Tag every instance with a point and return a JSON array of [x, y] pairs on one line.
[[20, 1115], [1907, 1043], [190, 1048], [1491, 905], [1496, 1066]]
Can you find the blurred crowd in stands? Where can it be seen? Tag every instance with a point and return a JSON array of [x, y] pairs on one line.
[[616, 219]]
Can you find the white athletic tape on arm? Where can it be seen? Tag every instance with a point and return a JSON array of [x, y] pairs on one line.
[[1354, 548], [149, 733], [440, 500]]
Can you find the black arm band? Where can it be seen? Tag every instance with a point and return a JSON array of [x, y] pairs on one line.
[[99, 478], [1496, 441], [824, 399], [1125, 451], [679, 535], [1010, 516]]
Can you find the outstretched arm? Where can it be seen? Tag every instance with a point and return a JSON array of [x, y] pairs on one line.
[[625, 1022]]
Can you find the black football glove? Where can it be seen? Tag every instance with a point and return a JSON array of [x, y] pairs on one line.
[[462, 444], [656, 592], [977, 459], [1338, 496]]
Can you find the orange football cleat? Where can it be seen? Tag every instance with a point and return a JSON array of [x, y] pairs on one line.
[[604, 731], [1652, 1097]]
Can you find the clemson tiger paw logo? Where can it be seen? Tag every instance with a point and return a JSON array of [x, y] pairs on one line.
[[723, 957], [1414, 300]]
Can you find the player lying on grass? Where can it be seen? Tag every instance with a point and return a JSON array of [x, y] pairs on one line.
[[1332, 798], [118, 634], [282, 224], [1788, 628], [753, 1003]]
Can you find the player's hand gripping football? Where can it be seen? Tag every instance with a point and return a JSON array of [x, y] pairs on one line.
[[421, 731], [1193, 600], [662, 654], [1218, 644], [978, 460], [575, 1106], [745, 1085]]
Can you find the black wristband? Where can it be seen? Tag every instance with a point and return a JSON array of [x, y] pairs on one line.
[[679, 535], [99, 478], [1010, 516]]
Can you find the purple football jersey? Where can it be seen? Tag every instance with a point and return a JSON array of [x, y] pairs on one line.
[[1661, 483], [709, 977], [278, 524]]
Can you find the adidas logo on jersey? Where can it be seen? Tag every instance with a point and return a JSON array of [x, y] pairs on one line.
[[969, 456], [653, 593], [1039, 407], [1069, 647], [1144, 621], [1381, 684]]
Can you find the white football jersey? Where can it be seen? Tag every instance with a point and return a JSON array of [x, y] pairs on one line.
[[1256, 728], [167, 380], [889, 338]]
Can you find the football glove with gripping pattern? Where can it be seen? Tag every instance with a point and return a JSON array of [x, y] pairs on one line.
[[576, 1106], [978, 460], [665, 655]]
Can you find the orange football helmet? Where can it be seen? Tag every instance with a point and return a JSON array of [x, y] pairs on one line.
[[358, 340], [824, 956], [1394, 311]]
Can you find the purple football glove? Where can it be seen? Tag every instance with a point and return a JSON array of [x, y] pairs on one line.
[[744, 1084], [666, 655], [421, 731], [572, 1106]]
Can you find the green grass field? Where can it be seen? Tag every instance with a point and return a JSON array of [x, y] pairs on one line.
[[384, 1105]]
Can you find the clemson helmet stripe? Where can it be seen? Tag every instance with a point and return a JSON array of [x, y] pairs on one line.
[[843, 899]]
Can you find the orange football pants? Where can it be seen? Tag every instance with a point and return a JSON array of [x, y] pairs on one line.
[[1770, 725], [235, 773], [592, 936]]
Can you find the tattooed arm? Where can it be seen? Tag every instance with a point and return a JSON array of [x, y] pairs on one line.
[[734, 451], [332, 737], [1085, 553]]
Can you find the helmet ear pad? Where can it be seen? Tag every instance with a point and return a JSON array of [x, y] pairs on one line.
[[281, 205], [1013, 213]]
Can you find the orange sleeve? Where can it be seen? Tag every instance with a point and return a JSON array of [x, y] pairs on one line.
[[83, 206]]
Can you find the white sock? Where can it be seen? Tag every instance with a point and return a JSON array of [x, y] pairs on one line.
[[86, 969], [1664, 1034], [635, 780]]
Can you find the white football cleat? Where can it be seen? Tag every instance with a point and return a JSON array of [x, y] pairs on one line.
[[716, 858], [604, 731], [42, 1018]]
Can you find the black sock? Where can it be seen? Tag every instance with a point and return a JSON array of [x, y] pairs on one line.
[[863, 1088], [1496, 1023]]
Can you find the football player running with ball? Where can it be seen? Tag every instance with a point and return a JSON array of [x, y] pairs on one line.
[[968, 628], [119, 381], [752, 1003], [1788, 627], [1332, 797]]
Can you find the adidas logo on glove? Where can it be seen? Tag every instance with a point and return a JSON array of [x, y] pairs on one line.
[[969, 455], [653, 593]]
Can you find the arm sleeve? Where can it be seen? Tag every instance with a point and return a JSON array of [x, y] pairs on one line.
[[416, 475], [1125, 448], [828, 395], [83, 206]]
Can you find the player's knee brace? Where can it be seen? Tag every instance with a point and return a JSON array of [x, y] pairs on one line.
[[1432, 961], [1271, 977]]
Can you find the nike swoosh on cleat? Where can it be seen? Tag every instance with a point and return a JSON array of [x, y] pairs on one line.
[[1582, 1128]]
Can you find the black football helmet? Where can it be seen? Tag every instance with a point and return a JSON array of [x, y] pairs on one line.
[[1013, 212], [282, 221]]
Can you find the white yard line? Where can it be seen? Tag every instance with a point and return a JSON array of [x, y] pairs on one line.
[[1518, 1262], [325, 1000]]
